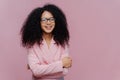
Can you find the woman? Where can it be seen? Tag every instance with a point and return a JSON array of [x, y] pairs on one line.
[[46, 37]]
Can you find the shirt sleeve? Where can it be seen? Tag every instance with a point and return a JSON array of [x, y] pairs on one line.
[[40, 70], [56, 75], [65, 52]]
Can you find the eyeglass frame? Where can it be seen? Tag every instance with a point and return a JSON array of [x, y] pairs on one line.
[[45, 20]]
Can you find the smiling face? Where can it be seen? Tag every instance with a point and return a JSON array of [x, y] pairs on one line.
[[47, 22]]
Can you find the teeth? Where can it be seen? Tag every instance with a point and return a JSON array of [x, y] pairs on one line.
[[48, 27]]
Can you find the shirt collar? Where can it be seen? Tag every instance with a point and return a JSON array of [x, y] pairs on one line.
[[52, 41]]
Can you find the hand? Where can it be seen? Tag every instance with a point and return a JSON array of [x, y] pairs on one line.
[[67, 62]]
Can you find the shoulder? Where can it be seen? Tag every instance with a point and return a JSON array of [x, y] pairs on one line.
[[34, 47]]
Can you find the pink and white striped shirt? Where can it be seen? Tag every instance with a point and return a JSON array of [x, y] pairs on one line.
[[46, 63]]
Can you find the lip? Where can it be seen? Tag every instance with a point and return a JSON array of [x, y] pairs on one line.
[[48, 27]]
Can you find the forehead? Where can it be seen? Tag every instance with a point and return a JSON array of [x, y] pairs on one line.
[[46, 14]]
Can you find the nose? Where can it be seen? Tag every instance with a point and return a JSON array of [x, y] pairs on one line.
[[48, 22]]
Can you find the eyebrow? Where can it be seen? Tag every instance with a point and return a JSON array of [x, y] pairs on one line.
[[47, 18]]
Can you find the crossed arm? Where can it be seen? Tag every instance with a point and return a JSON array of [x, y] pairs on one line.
[[39, 70]]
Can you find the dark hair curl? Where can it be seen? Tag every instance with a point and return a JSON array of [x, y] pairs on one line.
[[31, 31]]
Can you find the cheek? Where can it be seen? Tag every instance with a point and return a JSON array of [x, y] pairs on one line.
[[54, 24], [42, 26]]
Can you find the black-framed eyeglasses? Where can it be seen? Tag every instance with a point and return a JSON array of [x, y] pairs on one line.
[[45, 20]]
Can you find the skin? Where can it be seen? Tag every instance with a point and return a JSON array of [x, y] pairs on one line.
[[47, 28]]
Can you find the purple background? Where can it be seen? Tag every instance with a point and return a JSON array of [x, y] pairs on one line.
[[95, 38]]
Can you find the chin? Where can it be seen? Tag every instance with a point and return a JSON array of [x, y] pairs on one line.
[[48, 32]]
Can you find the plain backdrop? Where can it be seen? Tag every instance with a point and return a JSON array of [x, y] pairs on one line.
[[94, 27]]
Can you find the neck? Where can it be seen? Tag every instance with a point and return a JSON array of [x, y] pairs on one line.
[[47, 36]]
